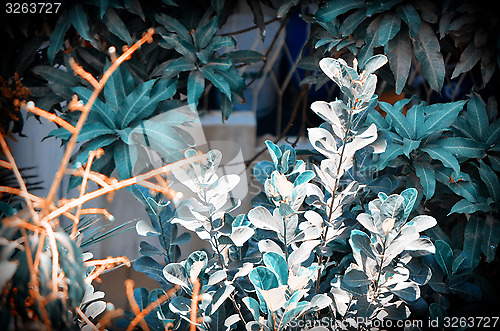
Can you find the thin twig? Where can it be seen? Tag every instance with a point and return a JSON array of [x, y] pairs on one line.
[[129, 289], [30, 106], [86, 319], [248, 29]]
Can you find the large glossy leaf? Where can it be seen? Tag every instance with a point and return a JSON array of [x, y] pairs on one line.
[[204, 34], [78, 17], [444, 256], [465, 206], [125, 159], [442, 116], [195, 88], [490, 178], [115, 24], [114, 89], [277, 263], [408, 14], [463, 147], [175, 273], [427, 51], [93, 130], [427, 177], [356, 278], [477, 116], [490, 237], [351, 22], [218, 81], [133, 103], [388, 28], [398, 119], [468, 60], [334, 8], [472, 241], [439, 153], [263, 278], [399, 52], [57, 36], [175, 26], [107, 115]]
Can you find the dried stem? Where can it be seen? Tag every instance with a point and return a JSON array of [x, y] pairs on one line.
[[30, 106], [152, 306], [129, 288], [86, 319], [194, 304]]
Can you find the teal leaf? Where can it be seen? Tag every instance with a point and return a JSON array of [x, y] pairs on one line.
[[203, 35], [360, 242], [78, 17], [244, 56], [477, 116], [459, 263], [408, 14], [174, 67], [356, 278], [439, 153], [472, 241], [388, 28], [371, 41], [92, 145], [107, 115], [125, 159], [408, 291], [262, 171], [57, 36], [463, 147], [415, 116], [103, 6], [398, 119], [427, 177], [490, 237], [390, 154], [334, 8], [490, 178], [263, 278], [219, 297], [442, 117], [427, 51], [468, 60], [116, 26], [493, 132], [134, 103], [465, 206], [304, 177], [175, 273], [219, 82], [277, 264], [93, 130], [226, 107], [253, 306], [374, 63], [195, 88], [444, 256], [114, 89], [409, 146], [162, 90], [173, 25], [351, 22], [145, 229], [274, 151]]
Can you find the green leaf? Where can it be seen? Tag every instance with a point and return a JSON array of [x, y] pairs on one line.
[[116, 26], [468, 60], [427, 177], [477, 116], [465, 206], [388, 28], [439, 153], [218, 81], [57, 36], [472, 241], [408, 14], [334, 8], [463, 147], [427, 51], [78, 17], [490, 238], [195, 88], [444, 256]]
